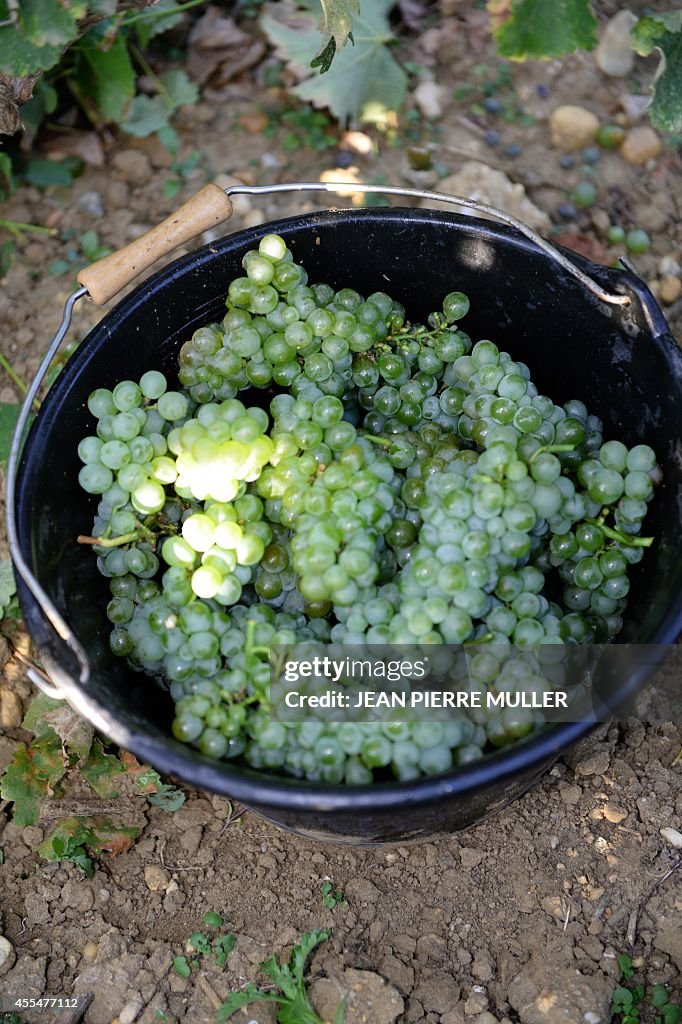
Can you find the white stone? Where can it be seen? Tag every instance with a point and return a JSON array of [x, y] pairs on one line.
[[476, 180], [131, 1010], [6, 951], [672, 836], [429, 98], [615, 55]]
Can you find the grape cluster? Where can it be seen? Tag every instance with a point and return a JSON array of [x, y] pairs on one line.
[[393, 483]]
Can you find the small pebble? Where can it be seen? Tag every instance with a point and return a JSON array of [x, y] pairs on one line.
[[634, 105], [270, 161], [640, 145], [614, 814], [600, 220], [670, 289], [477, 1001], [91, 202], [571, 128], [7, 954], [669, 265], [131, 1010], [610, 135], [591, 155], [492, 105], [637, 241], [156, 878], [90, 951], [133, 165], [615, 55], [11, 711], [672, 836], [429, 98], [584, 194], [567, 211]]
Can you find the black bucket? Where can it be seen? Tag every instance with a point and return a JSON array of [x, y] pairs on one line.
[[620, 360]]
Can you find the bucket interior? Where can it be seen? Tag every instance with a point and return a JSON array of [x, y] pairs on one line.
[[620, 361]]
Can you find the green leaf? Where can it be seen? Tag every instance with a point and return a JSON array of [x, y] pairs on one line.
[[100, 770], [2, 856], [6, 251], [180, 88], [181, 966], [222, 947], [168, 799], [159, 793], [362, 76], [156, 23], [44, 173], [9, 414], [236, 1000], [340, 1015], [546, 28], [199, 942], [622, 998], [8, 586], [658, 996], [34, 719], [664, 33], [21, 57], [671, 1014], [113, 76], [337, 23], [31, 776], [211, 919], [300, 953], [625, 964], [146, 114], [47, 23]]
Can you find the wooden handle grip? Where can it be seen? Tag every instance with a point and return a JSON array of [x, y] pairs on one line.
[[106, 277]]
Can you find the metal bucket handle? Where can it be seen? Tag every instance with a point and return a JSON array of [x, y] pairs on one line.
[[106, 277]]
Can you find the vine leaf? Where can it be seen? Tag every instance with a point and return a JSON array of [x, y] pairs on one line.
[[544, 28], [362, 75], [32, 776], [336, 28], [113, 78], [663, 32]]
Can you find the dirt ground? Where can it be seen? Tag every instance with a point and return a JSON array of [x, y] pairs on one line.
[[521, 918]]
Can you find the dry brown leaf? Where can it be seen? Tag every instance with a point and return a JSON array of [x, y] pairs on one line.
[[86, 146], [219, 50]]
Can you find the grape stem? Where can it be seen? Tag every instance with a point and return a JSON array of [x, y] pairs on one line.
[[552, 448], [623, 538], [249, 646], [379, 440], [485, 639], [117, 542]]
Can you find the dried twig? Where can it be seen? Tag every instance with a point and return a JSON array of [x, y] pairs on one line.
[[234, 814], [216, 1001]]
